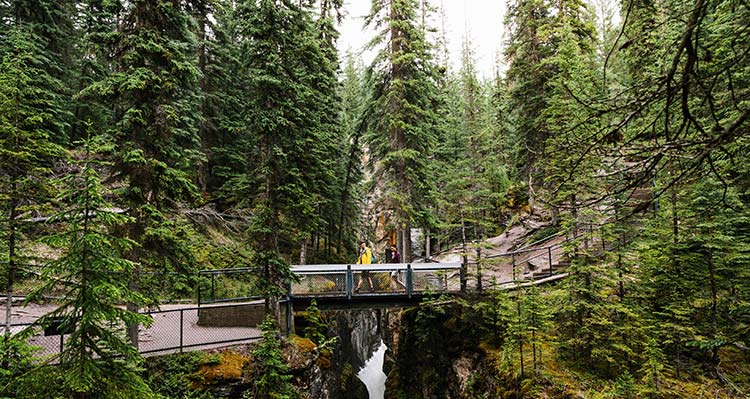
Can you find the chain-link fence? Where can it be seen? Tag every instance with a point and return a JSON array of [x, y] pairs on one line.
[[172, 330], [228, 285]]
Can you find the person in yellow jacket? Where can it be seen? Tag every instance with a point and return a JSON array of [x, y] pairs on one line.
[[365, 258]]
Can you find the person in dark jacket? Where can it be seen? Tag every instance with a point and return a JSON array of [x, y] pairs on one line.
[[395, 258]]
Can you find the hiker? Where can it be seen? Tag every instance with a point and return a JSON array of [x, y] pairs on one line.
[[365, 258], [395, 258]]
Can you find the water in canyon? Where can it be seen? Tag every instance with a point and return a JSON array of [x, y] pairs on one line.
[[372, 374]]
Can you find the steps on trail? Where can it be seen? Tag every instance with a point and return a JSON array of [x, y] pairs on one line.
[[541, 269], [539, 274], [538, 263]]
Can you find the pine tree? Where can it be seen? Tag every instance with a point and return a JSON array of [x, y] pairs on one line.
[[401, 129], [48, 23], [216, 31], [350, 116], [471, 177], [29, 110], [693, 270], [273, 379], [93, 274], [537, 316], [527, 76], [155, 97], [287, 174], [325, 137], [95, 21]]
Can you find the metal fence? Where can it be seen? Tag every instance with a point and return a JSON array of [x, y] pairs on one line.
[[171, 330], [382, 279], [227, 285]]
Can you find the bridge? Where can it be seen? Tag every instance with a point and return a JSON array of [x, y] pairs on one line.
[[538, 262], [340, 281]]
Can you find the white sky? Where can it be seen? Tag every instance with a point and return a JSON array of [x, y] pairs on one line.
[[481, 18]]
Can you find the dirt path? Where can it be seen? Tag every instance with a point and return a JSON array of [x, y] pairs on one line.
[[498, 269]]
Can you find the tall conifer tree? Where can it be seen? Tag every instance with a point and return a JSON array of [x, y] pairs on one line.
[[290, 81], [155, 96], [32, 120], [401, 131], [97, 360]]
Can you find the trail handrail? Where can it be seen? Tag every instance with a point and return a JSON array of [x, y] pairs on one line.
[[527, 249]]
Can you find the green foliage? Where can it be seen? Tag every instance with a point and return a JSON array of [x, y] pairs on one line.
[[316, 328], [400, 114], [352, 93], [173, 375], [652, 371], [285, 177], [639, 130], [155, 127], [18, 364], [471, 178], [153, 89], [31, 117], [97, 360], [272, 380]]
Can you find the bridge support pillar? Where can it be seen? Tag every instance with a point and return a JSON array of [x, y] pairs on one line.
[[289, 316]]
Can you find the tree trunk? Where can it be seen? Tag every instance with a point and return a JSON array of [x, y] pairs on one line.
[[465, 250], [520, 336], [406, 243], [533, 338], [132, 328], [479, 269], [574, 215], [11, 258], [303, 252], [676, 266], [427, 245], [202, 55], [714, 321], [345, 188]]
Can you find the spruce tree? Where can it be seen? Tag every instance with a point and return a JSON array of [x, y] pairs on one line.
[[350, 117], [401, 131], [97, 358], [29, 110], [286, 174], [155, 97], [526, 78], [48, 23], [95, 21], [471, 176], [273, 379]]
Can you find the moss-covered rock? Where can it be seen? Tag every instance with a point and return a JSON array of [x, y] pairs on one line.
[[300, 353], [231, 366]]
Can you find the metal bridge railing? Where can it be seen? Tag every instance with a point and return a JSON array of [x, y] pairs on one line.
[[342, 280]]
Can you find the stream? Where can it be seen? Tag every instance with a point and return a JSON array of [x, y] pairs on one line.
[[364, 337], [372, 374]]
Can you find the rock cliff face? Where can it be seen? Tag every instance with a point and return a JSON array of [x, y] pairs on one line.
[[439, 355], [359, 333], [431, 354]]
